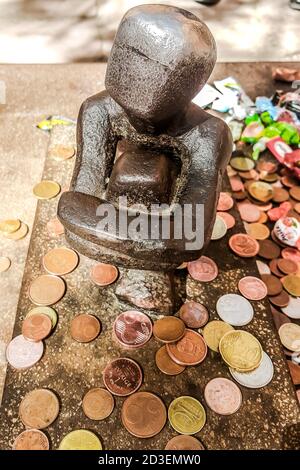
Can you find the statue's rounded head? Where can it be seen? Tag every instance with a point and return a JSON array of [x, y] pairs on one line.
[[161, 58]]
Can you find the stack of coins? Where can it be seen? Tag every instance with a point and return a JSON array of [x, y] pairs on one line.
[[13, 229]]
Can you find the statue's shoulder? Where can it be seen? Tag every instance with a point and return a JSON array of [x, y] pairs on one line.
[[101, 102]]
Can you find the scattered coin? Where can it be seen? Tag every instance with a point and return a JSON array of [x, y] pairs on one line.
[[183, 442], [280, 195], [19, 234], [228, 219], [280, 300], [274, 286], [263, 268], [4, 264], [223, 396], [50, 312], [213, 332], [291, 253], [186, 415], [132, 329], [104, 274], [289, 334], [143, 414], [258, 231], [122, 376], [31, 439], [61, 152], [234, 309], [36, 327], [46, 290], [22, 354], [193, 314], [169, 329], [225, 202], [60, 261], [295, 192], [268, 249], [295, 372], [263, 218], [85, 328], [252, 288], [98, 403], [261, 191], [287, 266], [242, 163], [291, 283], [55, 227], [259, 377], [46, 189], [190, 350], [203, 269], [292, 310], [81, 439], [249, 212], [219, 229], [243, 245], [279, 318], [274, 269], [9, 226], [39, 408], [166, 364], [240, 350]]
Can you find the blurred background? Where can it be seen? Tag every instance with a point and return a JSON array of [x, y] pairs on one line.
[[60, 31]]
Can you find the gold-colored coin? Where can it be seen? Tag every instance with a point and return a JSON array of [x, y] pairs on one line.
[[291, 283], [81, 439], [186, 415], [4, 264], [214, 331], [258, 231], [242, 163], [241, 350], [46, 189], [261, 191], [289, 334], [19, 234], [9, 226], [61, 152], [50, 312]]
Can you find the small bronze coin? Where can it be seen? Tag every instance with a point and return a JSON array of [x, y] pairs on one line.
[[291, 283], [36, 327], [243, 245], [98, 403], [268, 249], [280, 195], [60, 261], [104, 274], [31, 439], [61, 152], [203, 269], [143, 414], [168, 329], [85, 328], [263, 218], [280, 300], [274, 268], [55, 227], [295, 192], [261, 191], [193, 314], [39, 408], [183, 442], [274, 286], [166, 364], [190, 350], [122, 376], [228, 219], [46, 290], [258, 231], [287, 266]]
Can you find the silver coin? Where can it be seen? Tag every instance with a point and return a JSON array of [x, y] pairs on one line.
[[234, 309], [22, 354], [292, 310], [220, 229], [259, 377], [263, 268]]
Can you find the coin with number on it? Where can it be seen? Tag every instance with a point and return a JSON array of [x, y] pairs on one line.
[[223, 396], [214, 331], [203, 269], [234, 309], [122, 376], [259, 377], [80, 439], [143, 414], [36, 327], [184, 442], [46, 290], [9, 225], [104, 274], [219, 228], [60, 261], [252, 288], [166, 364], [46, 189], [190, 350], [168, 329], [241, 350], [22, 354], [193, 314], [98, 403], [50, 312], [289, 334], [39, 408], [186, 415], [31, 439], [132, 329], [85, 328]]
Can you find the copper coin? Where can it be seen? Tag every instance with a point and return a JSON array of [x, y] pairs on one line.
[[60, 261], [98, 403], [258, 231], [61, 152], [287, 266], [228, 219], [264, 165], [263, 218], [189, 350], [22, 354], [295, 372], [85, 328], [225, 202], [55, 227], [295, 192], [280, 195], [239, 195], [132, 329], [168, 329], [166, 364], [281, 300], [274, 286], [39, 408], [291, 253], [193, 314], [223, 396], [252, 288], [47, 290], [264, 207], [143, 414], [184, 443], [36, 327], [297, 207], [243, 245], [268, 249], [261, 191], [249, 212], [203, 269], [122, 376], [31, 439], [236, 183], [274, 268], [104, 274]]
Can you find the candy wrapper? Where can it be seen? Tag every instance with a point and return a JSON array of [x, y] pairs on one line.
[[287, 230]]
